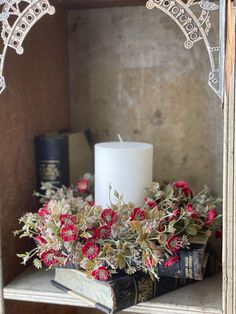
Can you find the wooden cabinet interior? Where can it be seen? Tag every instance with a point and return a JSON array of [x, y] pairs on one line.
[[35, 102]]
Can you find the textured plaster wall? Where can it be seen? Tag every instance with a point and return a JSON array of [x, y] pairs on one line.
[[130, 74]]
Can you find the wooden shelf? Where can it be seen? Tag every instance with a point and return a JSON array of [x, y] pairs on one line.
[[201, 297]]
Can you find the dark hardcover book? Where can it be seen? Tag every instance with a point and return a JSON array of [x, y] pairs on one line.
[[52, 159], [189, 264], [122, 291], [62, 158]]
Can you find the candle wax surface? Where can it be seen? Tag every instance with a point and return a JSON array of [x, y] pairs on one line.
[[127, 167]]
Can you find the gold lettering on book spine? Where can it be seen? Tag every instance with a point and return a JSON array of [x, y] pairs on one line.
[[145, 289], [186, 267], [189, 266], [49, 171]]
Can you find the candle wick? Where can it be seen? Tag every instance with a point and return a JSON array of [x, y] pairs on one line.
[[120, 139]]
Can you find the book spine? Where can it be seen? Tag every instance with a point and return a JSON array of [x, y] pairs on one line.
[[189, 265], [52, 160], [140, 287]]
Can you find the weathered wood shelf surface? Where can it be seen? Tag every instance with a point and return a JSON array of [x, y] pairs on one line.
[[200, 297]]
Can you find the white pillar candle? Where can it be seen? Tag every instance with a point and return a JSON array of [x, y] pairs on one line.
[[127, 167]]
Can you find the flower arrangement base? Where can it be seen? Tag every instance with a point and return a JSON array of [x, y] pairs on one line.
[[188, 263], [103, 241]]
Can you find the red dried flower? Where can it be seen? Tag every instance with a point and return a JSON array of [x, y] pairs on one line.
[[189, 207], [171, 261], [174, 243], [191, 212], [90, 250], [44, 211], [183, 185], [174, 214], [101, 273], [103, 232], [109, 216], [83, 186], [211, 215], [66, 219], [40, 240], [49, 258], [68, 233], [150, 262], [137, 214], [152, 204]]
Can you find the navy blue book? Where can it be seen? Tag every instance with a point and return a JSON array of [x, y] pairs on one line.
[[63, 158], [190, 264], [52, 159]]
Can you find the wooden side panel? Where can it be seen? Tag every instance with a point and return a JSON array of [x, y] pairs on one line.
[[36, 101], [229, 245]]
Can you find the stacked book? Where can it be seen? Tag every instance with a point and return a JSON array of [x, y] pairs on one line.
[[63, 158], [124, 290]]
